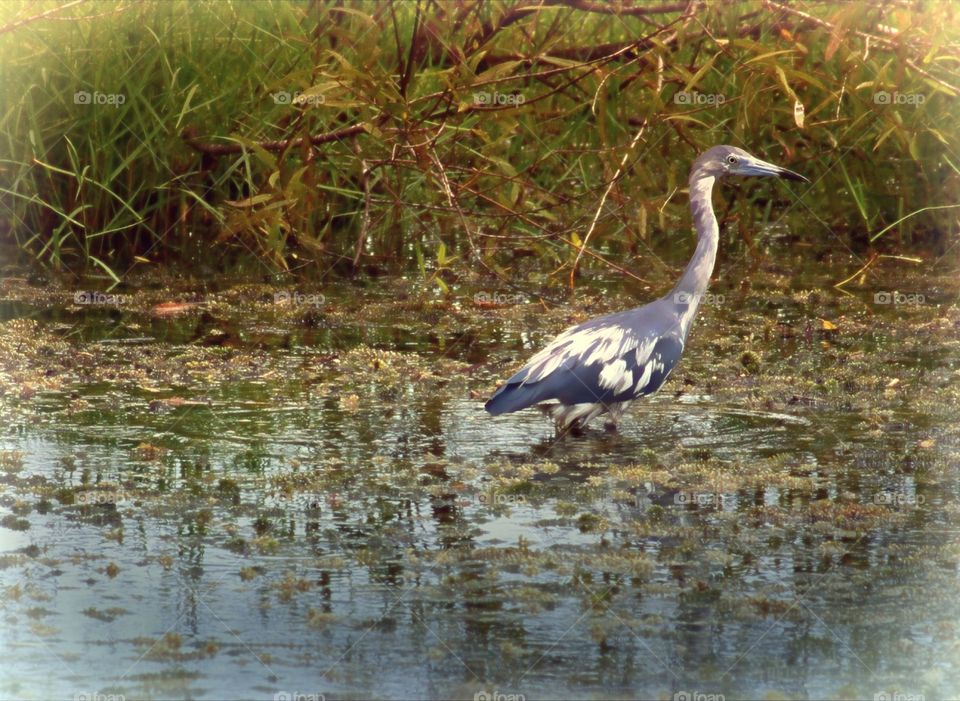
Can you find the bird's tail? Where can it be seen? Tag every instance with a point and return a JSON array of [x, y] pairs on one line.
[[514, 397]]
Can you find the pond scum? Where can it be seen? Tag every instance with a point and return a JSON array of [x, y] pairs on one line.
[[305, 451]]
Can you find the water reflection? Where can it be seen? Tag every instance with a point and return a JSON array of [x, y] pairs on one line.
[[291, 532]]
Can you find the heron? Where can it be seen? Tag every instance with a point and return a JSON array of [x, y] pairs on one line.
[[602, 365]]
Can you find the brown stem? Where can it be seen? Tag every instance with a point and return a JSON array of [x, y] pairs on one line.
[[191, 139], [515, 14], [46, 13], [408, 68]]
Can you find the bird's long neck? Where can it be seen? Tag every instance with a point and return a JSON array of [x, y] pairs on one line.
[[696, 277]]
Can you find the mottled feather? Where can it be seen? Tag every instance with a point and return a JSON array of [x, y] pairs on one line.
[[604, 361]]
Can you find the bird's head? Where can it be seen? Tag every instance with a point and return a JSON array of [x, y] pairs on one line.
[[722, 161]]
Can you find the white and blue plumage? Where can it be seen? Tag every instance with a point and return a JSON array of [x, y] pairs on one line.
[[600, 366], [597, 367]]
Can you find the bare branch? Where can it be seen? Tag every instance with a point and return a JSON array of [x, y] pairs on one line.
[[190, 137], [596, 216], [488, 31], [43, 15]]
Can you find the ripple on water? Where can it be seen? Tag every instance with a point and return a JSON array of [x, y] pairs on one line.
[[326, 517]]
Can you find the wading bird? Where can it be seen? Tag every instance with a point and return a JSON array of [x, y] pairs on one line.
[[602, 365]]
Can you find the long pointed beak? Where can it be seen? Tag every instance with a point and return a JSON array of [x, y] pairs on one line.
[[762, 168]]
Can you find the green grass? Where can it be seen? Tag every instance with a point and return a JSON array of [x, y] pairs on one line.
[[100, 189]]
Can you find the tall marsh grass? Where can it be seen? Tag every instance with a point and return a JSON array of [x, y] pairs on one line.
[[322, 136]]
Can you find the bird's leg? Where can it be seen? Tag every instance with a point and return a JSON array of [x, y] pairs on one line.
[[615, 413], [574, 428]]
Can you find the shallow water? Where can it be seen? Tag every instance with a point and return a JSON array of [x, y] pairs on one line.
[[238, 503]]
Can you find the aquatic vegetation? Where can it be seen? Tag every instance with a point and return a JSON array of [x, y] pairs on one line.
[[493, 131], [330, 499]]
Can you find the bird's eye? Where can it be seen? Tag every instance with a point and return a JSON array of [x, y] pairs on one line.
[[731, 159]]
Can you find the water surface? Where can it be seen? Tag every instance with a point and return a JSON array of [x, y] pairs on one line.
[[256, 497]]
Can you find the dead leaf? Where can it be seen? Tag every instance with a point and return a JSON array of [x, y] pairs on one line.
[[146, 451], [172, 308], [836, 36]]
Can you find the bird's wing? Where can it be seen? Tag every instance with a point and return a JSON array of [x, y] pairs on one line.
[[610, 359]]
